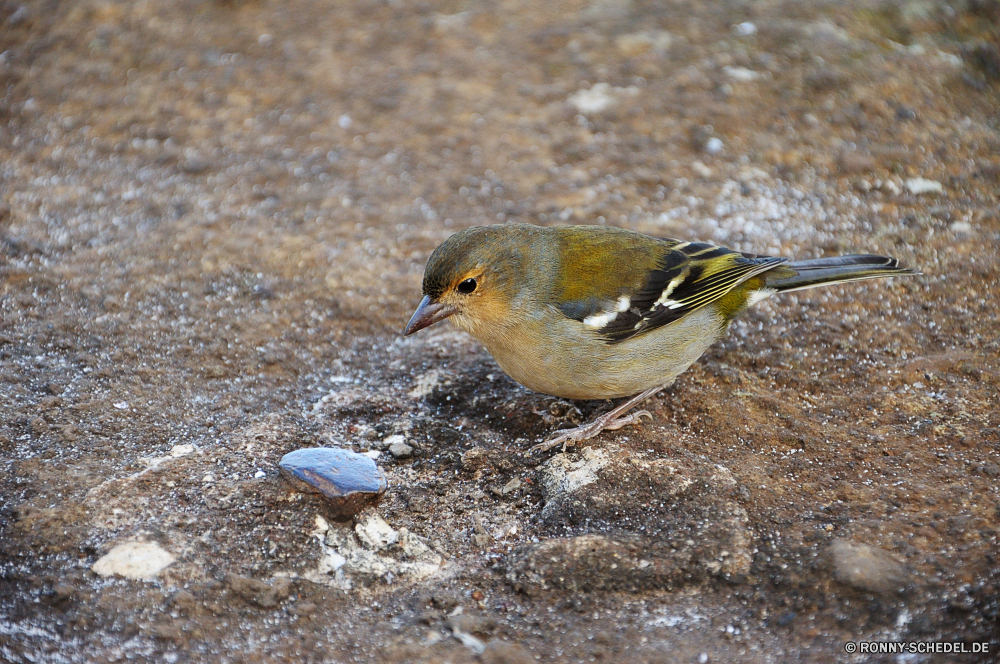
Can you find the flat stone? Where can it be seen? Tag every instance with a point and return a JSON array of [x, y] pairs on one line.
[[867, 568], [924, 186], [401, 450], [141, 561], [350, 481]]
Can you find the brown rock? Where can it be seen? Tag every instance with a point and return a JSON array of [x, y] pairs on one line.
[[867, 568]]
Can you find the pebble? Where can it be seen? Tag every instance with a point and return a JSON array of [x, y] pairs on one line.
[[867, 568], [713, 145], [742, 74], [389, 441], [140, 561], [744, 29], [401, 450], [348, 480], [919, 186]]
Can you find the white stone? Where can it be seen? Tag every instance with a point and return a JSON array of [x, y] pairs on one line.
[[742, 74], [758, 295], [745, 29], [919, 186], [375, 533], [134, 560], [713, 145]]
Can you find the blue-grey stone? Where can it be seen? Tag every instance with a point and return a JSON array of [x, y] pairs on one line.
[[350, 481]]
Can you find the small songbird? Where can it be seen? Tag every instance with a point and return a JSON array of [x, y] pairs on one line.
[[595, 312]]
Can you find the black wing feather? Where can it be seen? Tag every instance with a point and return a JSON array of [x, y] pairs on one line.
[[687, 267]]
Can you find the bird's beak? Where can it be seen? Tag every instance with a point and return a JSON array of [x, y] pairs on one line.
[[427, 314]]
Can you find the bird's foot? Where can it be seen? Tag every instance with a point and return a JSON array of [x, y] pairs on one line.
[[607, 422]]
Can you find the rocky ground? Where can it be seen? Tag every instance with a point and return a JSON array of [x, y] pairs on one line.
[[214, 222]]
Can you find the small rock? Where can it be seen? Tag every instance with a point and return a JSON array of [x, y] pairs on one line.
[[637, 43], [742, 74], [372, 552], [350, 481], [401, 450], [713, 145], [140, 561], [744, 29], [510, 487], [919, 186], [867, 568]]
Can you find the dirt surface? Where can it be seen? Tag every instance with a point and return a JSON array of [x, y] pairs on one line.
[[215, 218]]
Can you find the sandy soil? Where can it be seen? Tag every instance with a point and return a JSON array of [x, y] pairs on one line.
[[214, 222]]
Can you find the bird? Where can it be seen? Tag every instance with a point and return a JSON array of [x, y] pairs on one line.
[[601, 312]]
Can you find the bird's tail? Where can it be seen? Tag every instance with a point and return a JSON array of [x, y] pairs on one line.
[[799, 275]]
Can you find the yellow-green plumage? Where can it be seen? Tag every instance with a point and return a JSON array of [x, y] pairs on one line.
[[592, 312]]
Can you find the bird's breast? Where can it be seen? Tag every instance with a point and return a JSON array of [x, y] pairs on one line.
[[562, 357]]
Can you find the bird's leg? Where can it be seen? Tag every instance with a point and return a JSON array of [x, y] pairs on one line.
[[609, 420]]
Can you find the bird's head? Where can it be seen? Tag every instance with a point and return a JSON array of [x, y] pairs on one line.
[[471, 278]]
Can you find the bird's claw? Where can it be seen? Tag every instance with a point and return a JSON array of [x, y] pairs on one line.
[[587, 431]]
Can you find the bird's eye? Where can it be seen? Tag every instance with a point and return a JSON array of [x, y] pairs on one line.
[[467, 286]]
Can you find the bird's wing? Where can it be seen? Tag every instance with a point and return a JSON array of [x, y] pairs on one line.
[[686, 277]]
